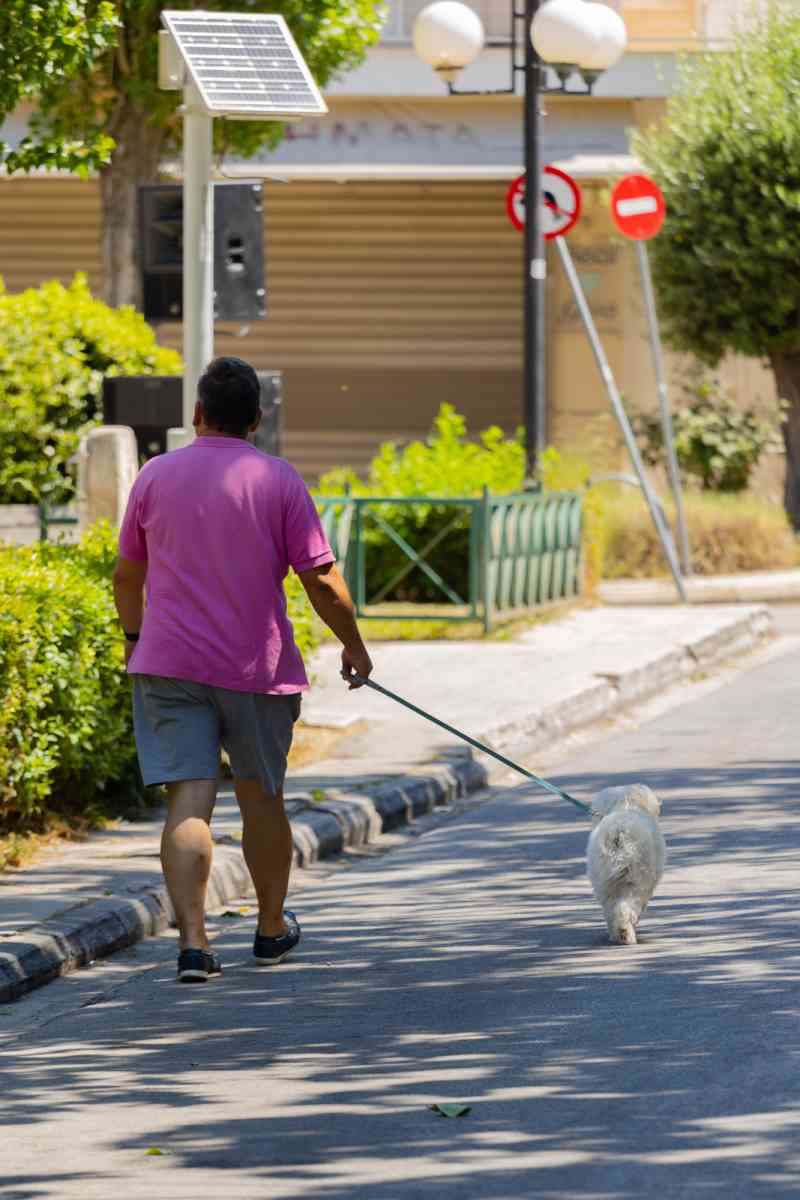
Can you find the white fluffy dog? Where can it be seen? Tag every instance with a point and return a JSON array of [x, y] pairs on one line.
[[625, 856]]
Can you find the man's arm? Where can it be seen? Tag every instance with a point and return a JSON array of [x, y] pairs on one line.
[[129, 577], [330, 599]]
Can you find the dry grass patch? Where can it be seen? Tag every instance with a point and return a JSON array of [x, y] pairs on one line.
[[728, 535]]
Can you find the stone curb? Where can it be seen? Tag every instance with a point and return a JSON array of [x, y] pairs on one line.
[[100, 925], [763, 587], [613, 693]]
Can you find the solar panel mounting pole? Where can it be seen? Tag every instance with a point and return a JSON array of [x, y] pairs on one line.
[[198, 250], [240, 65]]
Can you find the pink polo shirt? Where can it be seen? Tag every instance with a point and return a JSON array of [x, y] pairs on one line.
[[219, 524]]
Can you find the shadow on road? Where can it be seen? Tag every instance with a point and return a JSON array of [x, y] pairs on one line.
[[472, 965]]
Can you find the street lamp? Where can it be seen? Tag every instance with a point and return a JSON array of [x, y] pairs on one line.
[[570, 36]]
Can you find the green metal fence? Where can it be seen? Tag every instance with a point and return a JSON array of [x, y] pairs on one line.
[[524, 552]]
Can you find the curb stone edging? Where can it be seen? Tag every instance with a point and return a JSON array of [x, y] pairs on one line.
[[100, 925], [613, 692]]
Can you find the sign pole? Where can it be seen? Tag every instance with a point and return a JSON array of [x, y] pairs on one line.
[[659, 521], [534, 261], [539, 214], [198, 262], [663, 397]]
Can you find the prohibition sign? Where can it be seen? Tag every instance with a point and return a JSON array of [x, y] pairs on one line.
[[561, 203], [638, 207]]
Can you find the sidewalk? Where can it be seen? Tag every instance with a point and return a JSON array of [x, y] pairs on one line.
[[759, 587], [81, 902]]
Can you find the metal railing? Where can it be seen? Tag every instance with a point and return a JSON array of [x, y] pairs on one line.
[[55, 515], [523, 552]]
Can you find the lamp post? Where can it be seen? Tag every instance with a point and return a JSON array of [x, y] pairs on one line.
[[583, 37]]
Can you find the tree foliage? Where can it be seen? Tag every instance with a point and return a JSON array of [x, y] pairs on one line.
[[728, 160], [333, 36], [43, 43]]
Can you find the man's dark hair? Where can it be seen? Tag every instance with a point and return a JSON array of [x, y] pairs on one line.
[[230, 394]]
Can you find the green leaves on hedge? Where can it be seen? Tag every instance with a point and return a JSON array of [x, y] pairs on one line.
[[445, 464], [66, 731], [56, 344], [65, 720]]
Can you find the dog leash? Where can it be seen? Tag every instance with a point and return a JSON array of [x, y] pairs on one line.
[[543, 783]]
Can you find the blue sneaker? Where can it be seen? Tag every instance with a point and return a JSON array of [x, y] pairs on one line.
[[197, 966], [271, 950]]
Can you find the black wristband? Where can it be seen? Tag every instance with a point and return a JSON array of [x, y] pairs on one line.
[[130, 637]]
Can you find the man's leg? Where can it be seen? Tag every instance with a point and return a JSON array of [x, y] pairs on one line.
[[186, 849], [267, 846]]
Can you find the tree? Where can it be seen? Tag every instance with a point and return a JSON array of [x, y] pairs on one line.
[[117, 96], [727, 265], [42, 41]]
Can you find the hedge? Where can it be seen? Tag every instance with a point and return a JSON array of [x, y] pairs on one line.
[[446, 464], [65, 720], [56, 345], [66, 735]]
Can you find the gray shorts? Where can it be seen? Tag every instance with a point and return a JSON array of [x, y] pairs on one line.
[[180, 727]]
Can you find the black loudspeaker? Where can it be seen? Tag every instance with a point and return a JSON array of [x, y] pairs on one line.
[[269, 435], [150, 404], [239, 289]]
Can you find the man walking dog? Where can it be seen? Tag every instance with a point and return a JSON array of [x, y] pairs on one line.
[[210, 532]]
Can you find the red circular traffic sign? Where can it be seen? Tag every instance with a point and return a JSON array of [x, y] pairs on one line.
[[638, 207], [561, 203]]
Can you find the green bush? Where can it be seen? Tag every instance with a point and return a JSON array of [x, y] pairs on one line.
[[66, 731], [301, 614], [716, 442], [65, 724], [56, 344], [444, 465], [727, 534]]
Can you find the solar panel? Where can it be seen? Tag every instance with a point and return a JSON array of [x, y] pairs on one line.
[[245, 65]]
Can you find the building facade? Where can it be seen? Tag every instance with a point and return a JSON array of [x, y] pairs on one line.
[[394, 276]]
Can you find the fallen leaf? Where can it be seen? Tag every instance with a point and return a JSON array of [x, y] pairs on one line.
[[450, 1110]]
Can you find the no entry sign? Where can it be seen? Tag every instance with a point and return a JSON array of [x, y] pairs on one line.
[[561, 203], [638, 207]]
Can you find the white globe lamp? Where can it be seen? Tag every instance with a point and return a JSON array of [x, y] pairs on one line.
[[610, 39], [563, 34], [448, 36]]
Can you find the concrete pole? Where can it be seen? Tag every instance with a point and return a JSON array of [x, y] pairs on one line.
[[198, 249]]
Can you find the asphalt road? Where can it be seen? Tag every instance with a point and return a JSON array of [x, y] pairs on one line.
[[465, 964]]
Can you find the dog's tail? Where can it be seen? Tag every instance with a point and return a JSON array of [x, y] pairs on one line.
[[623, 853]]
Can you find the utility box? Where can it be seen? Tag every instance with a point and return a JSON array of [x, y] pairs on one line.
[[149, 404], [152, 404], [239, 287]]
